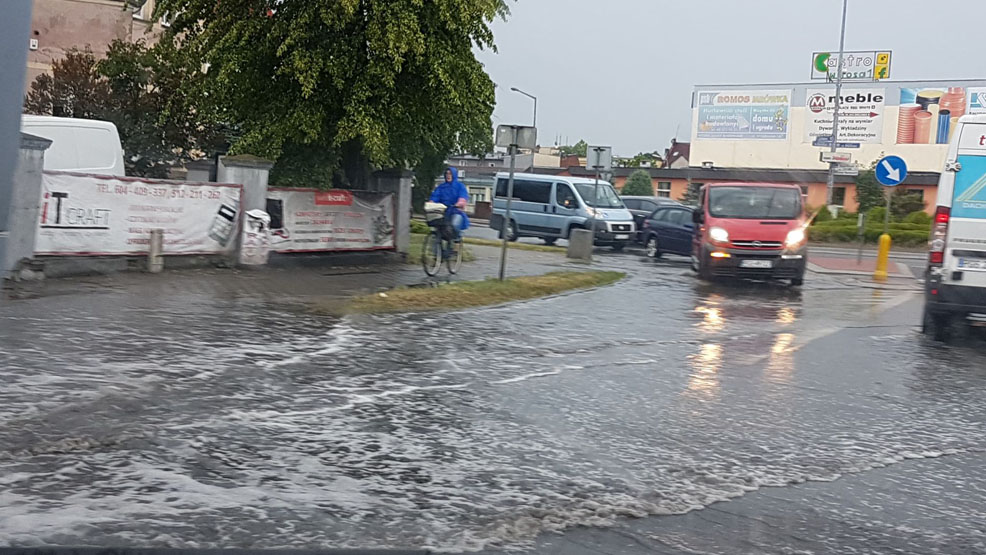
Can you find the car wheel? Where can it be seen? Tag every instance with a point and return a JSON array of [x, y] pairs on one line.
[[798, 281], [618, 247], [549, 240], [512, 231], [704, 272], [936, 326], [653, 250]]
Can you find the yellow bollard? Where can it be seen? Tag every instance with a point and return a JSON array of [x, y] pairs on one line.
[[880, 274]]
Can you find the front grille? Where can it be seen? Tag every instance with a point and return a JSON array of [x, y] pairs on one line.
[[622, 227], [752, 244], [762, 273]]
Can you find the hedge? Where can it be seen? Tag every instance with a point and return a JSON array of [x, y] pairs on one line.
[[844, 233]]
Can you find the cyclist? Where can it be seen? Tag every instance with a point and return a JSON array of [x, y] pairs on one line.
[[453, 194]]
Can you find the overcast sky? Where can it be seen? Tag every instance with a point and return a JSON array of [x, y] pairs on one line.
[[621, 72]]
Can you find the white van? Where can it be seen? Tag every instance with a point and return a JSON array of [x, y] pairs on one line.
[[78, 145], [551, 206], [955, 284]]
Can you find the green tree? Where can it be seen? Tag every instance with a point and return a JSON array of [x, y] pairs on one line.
[[578, 149], [690, 196], [136, 88], [869, 192], [365, 83], [74, 89], [903, 202], [638, 184]]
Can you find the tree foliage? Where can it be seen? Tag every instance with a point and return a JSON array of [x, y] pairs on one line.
[[345, 86], [138, 89], [904, 202], [578, 149], [638, 184], [74, 89], [690, 196], [869, 192], [643, 159]]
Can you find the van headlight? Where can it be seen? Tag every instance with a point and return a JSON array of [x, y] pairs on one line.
[[590, 211], [795, 237], [719, 235]]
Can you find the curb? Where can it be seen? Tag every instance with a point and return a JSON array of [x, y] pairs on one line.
[[820, 270]]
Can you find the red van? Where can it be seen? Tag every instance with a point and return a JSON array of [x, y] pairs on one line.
[[750, 230]]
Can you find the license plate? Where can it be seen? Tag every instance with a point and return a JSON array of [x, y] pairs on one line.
[[972, 264], [753, 263], [622, 236]]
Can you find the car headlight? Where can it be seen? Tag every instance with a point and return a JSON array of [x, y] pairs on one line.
[[590, 211], [719, 235], [795, 237]]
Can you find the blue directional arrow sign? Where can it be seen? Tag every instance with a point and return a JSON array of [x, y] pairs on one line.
[[891, 171]]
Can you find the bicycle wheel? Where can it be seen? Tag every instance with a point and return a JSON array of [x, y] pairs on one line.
[[431, 254], [455, 261]]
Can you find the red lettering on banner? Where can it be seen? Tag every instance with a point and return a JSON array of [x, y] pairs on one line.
[[334, 198]]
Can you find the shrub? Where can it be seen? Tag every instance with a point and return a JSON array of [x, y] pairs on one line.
[[417, 226], [848, 216], [822, 215], [638, 184], [877, 214], [919, 217]]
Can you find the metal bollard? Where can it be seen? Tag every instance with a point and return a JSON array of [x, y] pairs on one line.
[[155, 257], [880, 274]]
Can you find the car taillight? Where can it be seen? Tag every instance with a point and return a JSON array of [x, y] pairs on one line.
[[939, 232]]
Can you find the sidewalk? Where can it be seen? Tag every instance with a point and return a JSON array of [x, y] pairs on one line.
[[849, 266]]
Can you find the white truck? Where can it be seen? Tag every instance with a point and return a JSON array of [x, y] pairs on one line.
[[78, 145]]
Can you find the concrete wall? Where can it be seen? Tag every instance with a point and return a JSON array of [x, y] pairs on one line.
[[399, 183], [251, 172]]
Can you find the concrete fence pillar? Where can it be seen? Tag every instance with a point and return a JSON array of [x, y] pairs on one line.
[[399, 183], [25, 204], [251, 172]]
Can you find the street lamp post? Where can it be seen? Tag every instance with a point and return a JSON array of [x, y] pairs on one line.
[[830, 189], [532, 97]]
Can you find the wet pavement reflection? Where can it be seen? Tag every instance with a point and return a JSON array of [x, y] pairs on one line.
[[211, 420]]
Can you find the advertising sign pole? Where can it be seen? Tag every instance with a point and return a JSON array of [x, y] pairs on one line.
[[510, 196], [830, 188]]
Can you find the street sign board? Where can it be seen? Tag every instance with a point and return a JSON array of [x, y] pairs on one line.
[[599, 158], [850, 170], [857, 65], [826, 141], [891, 171], [519, 136], [860, 114], [832, 157]]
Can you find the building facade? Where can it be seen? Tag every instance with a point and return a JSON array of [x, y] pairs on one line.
[[58, 26]]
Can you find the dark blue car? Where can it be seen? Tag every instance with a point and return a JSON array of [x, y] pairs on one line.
[[669, 229]]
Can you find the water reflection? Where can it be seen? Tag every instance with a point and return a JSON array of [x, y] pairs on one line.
[[781, 363], [712, 317], [786, 316], [704, 379]]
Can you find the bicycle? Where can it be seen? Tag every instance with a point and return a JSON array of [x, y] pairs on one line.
[[440, 245]]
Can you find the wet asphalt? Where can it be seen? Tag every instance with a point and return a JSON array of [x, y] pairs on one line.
[[658, 415]]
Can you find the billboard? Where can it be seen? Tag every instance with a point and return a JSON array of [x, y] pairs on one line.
[[857, 65], [860, 114], [311, 220], [928, 115], [85, 214], [744, 114]]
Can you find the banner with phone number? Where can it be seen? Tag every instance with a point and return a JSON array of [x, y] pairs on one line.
[[84, 214], [310, 220]]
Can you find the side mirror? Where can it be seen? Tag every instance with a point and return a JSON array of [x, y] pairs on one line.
[[696, 217]]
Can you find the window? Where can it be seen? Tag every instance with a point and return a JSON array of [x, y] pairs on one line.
[[755, 202], [632, 203], [664, 189], [527, 191], [647, 205], [676, 217], [839, 196], [661, 215], [565, 196], [607, 196]]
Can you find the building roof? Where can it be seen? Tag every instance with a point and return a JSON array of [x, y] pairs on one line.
[[676, 152], [773, 175]]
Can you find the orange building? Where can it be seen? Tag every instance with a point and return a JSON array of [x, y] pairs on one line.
[[672, 183]]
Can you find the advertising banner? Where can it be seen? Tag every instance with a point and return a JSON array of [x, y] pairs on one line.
[[928, 115], [857, 65], [860, 115], [105, 215], [744, 114], [308, 220]]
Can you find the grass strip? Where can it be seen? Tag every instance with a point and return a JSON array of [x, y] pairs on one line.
[[467, 294], [417, 245]]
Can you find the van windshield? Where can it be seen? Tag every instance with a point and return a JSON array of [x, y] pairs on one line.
[[607, 196], [755, 202]]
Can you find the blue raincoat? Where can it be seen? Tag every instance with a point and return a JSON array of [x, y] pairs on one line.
[[449, 193]]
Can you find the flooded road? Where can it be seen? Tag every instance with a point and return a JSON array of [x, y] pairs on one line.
[[214, 419]]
